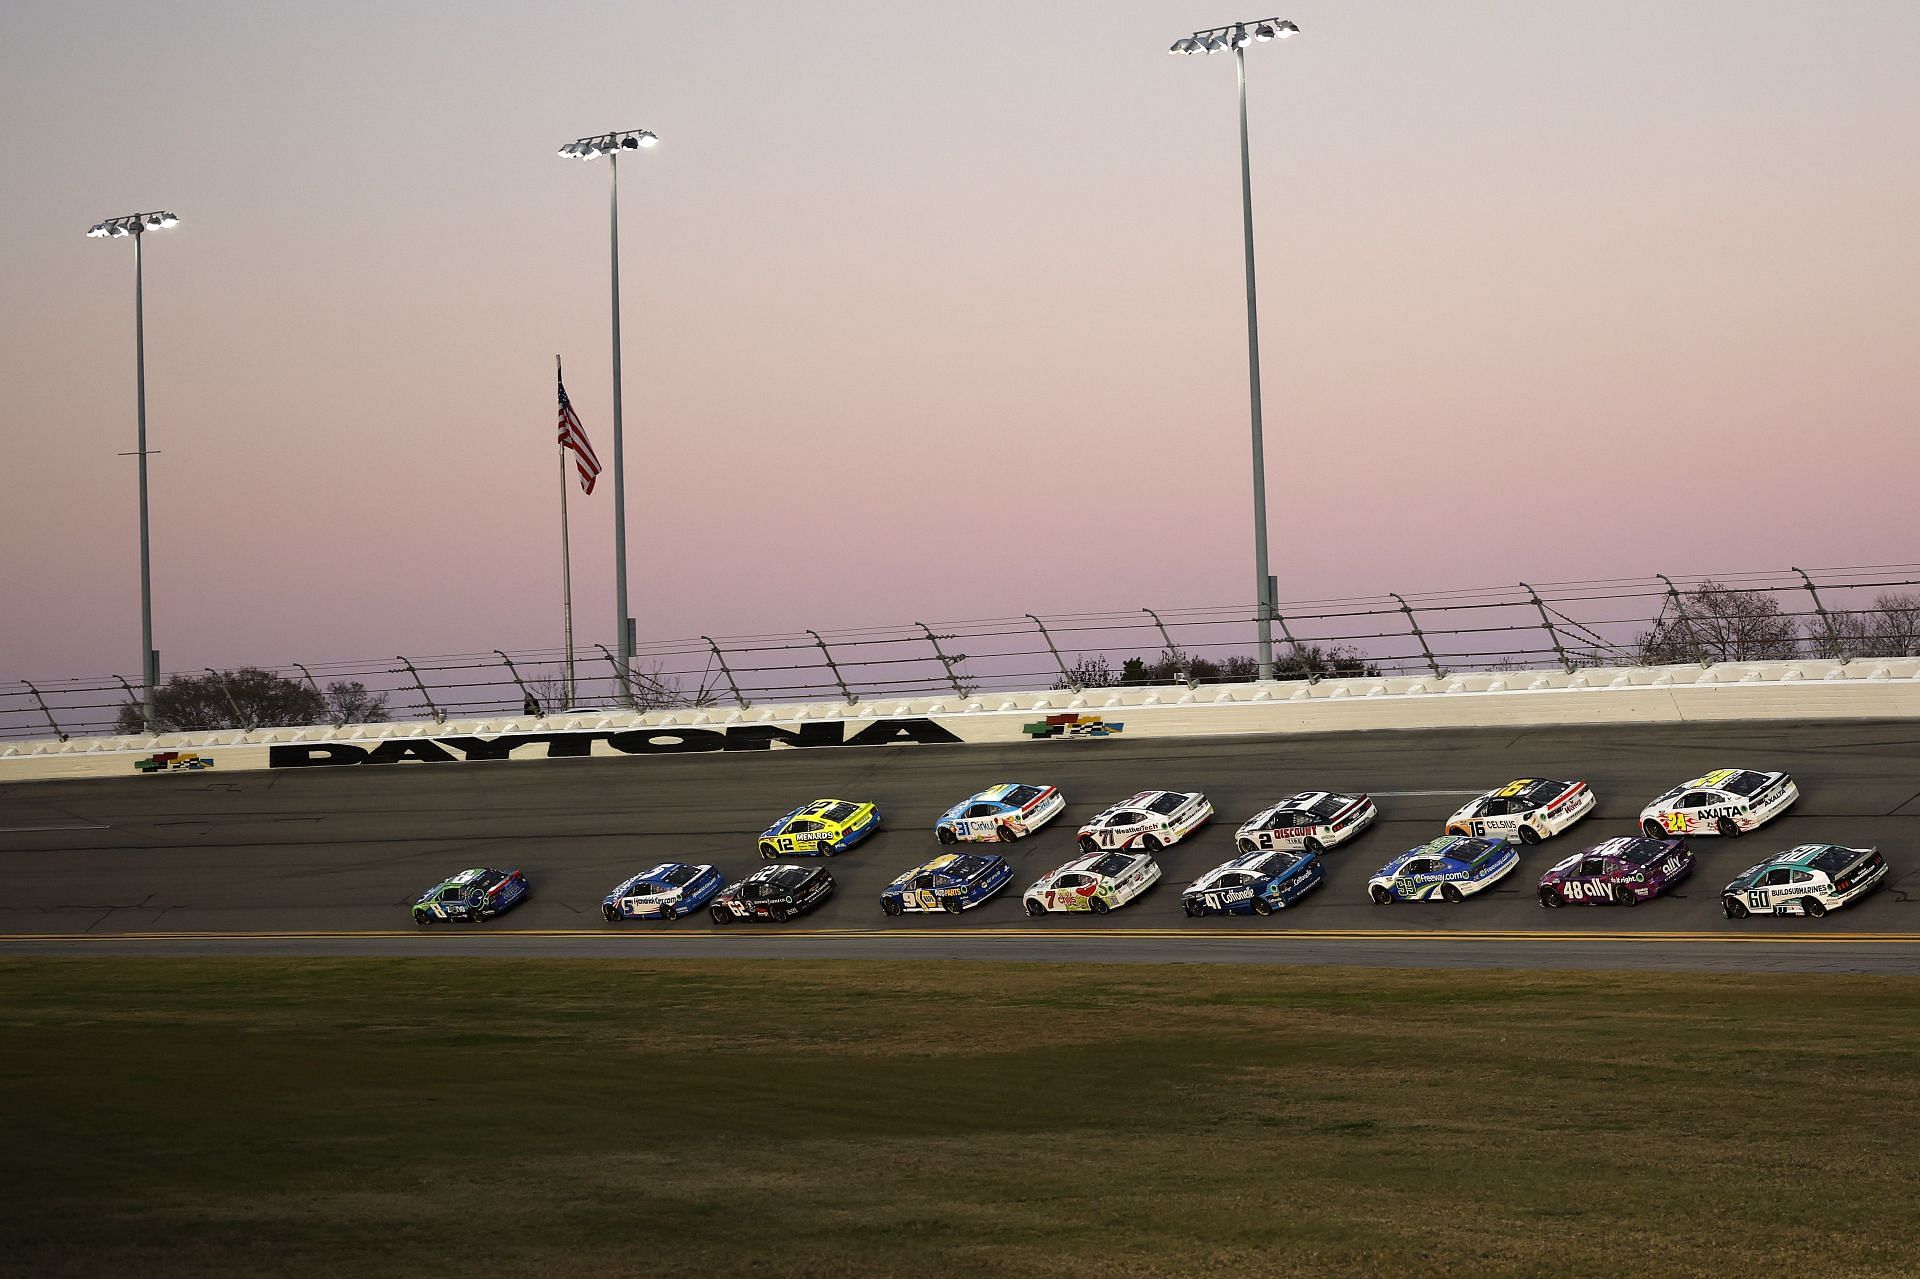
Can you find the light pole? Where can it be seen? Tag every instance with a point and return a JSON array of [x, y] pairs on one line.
[[1237, 36], [611, 145], [137, 225]]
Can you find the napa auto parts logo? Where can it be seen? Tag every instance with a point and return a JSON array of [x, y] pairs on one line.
[[1071, 726], [173, 762]]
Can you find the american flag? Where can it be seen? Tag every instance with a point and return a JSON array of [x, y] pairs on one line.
[[574, 436]]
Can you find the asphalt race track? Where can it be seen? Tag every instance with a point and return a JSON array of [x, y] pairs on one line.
[[327, 860]]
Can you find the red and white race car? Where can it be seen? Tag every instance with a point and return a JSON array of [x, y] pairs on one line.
[[1729, 801], [1310, 822], [1097, 883], [1151, 820], [1530, 809]]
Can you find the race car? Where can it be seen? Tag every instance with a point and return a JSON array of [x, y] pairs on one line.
[[1809, 880], [822, 828], [1451, 867], [472, 895], [665, 892], [1729, 802], [1004, 812], [1098, 882], [1312, 821], [773, 892], [1532, 808], [950, 882], [1150, 820], [1624, 872], [1258, 883]]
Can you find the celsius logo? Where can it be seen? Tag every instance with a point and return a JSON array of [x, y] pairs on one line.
[[642, 741], [1071, 726], [172, 762]]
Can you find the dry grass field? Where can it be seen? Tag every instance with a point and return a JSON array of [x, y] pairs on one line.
[[844, 1119]]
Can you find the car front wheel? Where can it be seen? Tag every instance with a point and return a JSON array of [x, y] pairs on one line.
[[1035, 908], [721, 915], [1381, 894], [1653, 829], [422, 918], [1550, 897], [768, 852], [611, 912], [1733, 908], [946, 836], [892, 906]]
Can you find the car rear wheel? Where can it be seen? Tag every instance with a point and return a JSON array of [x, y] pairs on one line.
[[1733, 908], [1451, 893], [1625, 895], [1007, 833], [1098, 906], [768, 852], [946, 836], [721, 915], [1550, 897], [1381, 894], [954, 905], [779, 914], [1035, 908], [1813, 906], [1261, 906], [1152, 844], [1312, 845], [1728, 827], [1528, 835], [1652, 829], [892, 905]]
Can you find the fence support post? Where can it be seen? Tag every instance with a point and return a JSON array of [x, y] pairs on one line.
[[311, 682], [228, 690], [621, 679], [526, 694], [726, 670], [1183, 666], [53, 723], [1680, 610], [426, 697], [1547, 622], [944, 659], [1413, 623], [1066, 676], [834, 667], [1834, 647]]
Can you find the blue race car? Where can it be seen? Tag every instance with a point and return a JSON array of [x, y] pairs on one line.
[[950, 882], [665, 892], [472, 895], [1451, 867], [1256, 883]]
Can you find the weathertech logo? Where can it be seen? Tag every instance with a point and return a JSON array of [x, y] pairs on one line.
[[1071, 726], [172, 762]]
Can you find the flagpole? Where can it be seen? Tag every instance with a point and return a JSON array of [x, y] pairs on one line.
[[566, 559]]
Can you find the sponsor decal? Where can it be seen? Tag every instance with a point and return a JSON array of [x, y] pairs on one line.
[[173, 762], [1071, 726], [578, 745]]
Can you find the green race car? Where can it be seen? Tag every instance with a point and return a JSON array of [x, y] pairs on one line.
[[472, 895]]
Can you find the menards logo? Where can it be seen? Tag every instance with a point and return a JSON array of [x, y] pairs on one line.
[[1071, 726]]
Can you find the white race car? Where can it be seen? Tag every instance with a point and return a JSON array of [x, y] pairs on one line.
[[1530, 810], [1311, 822], [1150, 820], [1731, 801], [1809, 880], [1005, 812], [1098, 883]]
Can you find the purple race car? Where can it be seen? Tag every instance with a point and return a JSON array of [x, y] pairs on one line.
[[1620, 872]]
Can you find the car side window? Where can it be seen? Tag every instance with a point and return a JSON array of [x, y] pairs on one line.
[[980, 810], [923, 881], [1778, 875], [1128, 819], [1802, 877], [1592, 866], [1418, 866]]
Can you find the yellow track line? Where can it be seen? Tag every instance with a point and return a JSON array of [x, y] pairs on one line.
[[865, 934]]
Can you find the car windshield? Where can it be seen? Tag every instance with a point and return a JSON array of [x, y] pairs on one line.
[[1643, 852], [790, 876], [838, 813], [1167, 803], [1273, 864], [1542, 791], [1745, 784], [678, 875], [1834, 859], [1329, 806], [965, 866], [1021, 796], [1112, 864]]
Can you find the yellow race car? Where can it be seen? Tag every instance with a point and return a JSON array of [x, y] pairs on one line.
[[819, 829]]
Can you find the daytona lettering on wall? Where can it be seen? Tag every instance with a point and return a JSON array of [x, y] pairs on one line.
[[643, 741]]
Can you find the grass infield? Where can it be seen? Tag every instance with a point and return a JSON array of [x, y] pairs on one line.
[[844, 1119]]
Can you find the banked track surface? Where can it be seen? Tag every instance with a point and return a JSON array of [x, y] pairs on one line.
[[326, 860]]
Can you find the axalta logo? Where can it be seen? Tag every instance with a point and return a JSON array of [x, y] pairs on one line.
[[638, 741], [173, 762], [1071, 726]]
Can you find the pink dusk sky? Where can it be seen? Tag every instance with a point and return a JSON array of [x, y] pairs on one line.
[[935, 311]]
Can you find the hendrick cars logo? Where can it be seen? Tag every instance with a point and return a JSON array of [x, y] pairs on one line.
[[172, 762], [1071, 726]]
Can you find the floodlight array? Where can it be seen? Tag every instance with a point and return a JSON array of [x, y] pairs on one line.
[[132, 224], [609, 143], [1236, 35]]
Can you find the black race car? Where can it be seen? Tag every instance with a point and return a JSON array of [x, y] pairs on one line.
[[774, 892]]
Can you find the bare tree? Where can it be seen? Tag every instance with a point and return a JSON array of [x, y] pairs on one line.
[[349, 702], [1891, 628], [1715, 623]]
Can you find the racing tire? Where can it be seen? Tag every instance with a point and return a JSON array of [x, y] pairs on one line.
[[1381, 894], [1813, 907], [1312, 845], [1528, 835], [1457, 829], [1035, 909], [1248, 846], [945, 835], [1193, 908], [611, 912], [1006, 833], [953, 905], [1152, 844], [1088, 844], [892, 906], [1550, 897], [1653, 830], [476, 914], [1261, 906], [1098, 906], [1728, 827], [1627, 897], [823, 848], [1452, 894], [779, 914], [768, 852], [423, 919], [1733, 908], [721, 915]]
